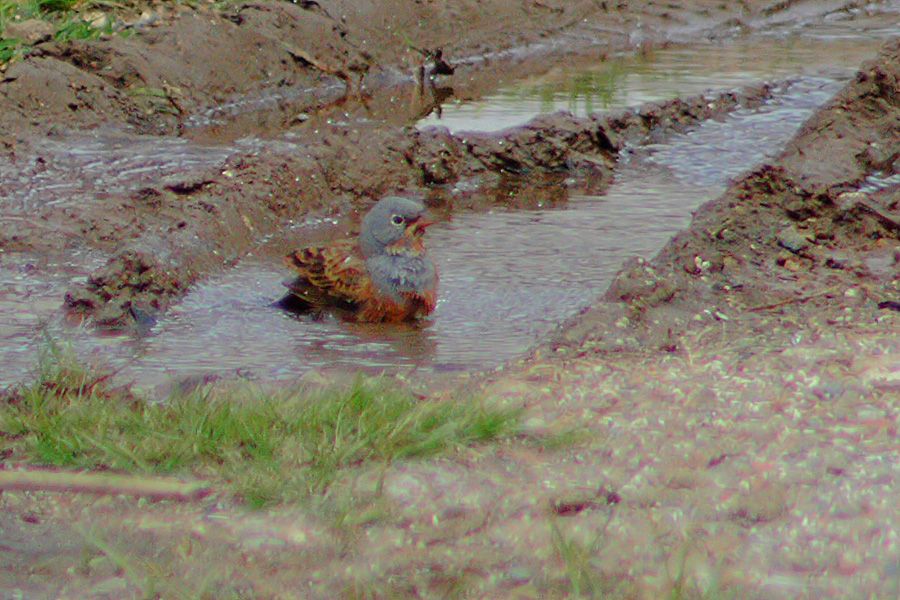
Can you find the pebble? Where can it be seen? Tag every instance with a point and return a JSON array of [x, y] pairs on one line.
[[791, 239]]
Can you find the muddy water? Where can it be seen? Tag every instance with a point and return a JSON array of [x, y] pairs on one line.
[[624, 81], [30, 307], [507, 277], [75, 169]]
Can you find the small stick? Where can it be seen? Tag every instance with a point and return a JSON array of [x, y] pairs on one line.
[[799, 300], [103, 483]]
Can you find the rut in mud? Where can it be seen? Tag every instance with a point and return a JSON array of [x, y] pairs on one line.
[[171, 212]]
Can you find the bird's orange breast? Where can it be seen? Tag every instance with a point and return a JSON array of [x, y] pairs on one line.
[[377, 307]]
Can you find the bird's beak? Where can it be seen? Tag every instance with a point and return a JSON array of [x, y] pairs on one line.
[[418, 226]]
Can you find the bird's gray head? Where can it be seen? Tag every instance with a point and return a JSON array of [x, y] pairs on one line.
[[388, 222]]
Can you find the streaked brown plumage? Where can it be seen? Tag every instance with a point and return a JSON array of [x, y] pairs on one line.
[[384, 276]]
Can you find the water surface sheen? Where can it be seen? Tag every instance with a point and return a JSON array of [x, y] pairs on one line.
[[507, 277], [74, 169], [29, 307], [622, 81]]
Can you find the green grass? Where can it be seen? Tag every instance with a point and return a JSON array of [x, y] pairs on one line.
[[11, 50], [266, 446], [172, 568], [66, 17], [78, 29], [582, 579], [34, 8]]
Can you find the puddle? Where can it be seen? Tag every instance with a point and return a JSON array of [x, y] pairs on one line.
[[624, 81], [79, 168], [880, 181], [29, 304], [507, 277], [68, 169]]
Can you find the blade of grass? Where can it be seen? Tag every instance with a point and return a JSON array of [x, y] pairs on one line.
[[265, 445]]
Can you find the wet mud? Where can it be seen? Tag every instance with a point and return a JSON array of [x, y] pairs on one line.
[[738, 389], [181, 61], [165, 226], [232, 208], [812, 232], [495, 264]]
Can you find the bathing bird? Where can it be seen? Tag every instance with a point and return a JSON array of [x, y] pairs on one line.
[[385, 275]]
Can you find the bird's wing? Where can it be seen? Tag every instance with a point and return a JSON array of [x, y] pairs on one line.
[[327, 274]]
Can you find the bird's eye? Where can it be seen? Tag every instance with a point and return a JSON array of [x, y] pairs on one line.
[[397, 220]]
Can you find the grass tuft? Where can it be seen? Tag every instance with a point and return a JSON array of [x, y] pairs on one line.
[[267, 446], [67, 18], [582, 579], [79, 29], [11, 49]]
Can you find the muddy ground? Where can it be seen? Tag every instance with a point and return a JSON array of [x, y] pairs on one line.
[[738, 392], [185, 70]]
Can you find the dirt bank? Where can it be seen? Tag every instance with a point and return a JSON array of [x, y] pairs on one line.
[[745, 381], [795, 235], [181, 61], [186, 71], [226, 214]]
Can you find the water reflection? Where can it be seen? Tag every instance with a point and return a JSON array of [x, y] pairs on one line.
[[93, 166], [29, 306], [628, 80], [233, 324], [508, 276]]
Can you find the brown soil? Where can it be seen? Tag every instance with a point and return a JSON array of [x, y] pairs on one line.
[[203, 58], [186, 63], [738, 392], [220, 210]]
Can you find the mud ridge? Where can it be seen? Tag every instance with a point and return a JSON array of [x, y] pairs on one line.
[[184, 61], [353, 168], [795, 244]]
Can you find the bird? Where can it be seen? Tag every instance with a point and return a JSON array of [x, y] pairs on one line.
[[385, 275]]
